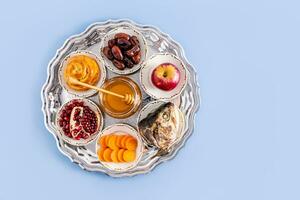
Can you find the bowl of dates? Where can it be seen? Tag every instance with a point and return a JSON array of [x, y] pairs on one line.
[[123, 50]]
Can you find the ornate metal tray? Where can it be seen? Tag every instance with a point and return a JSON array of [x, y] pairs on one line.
[[53, 95]]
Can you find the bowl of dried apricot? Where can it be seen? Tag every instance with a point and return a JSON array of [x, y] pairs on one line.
[[119, 147]]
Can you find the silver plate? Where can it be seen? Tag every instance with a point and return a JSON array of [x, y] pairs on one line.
[[53, 95]]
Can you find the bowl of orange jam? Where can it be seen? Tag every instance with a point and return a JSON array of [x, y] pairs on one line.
[[115, 106], [85, 67]]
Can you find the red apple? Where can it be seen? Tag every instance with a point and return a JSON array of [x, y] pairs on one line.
[[165, 76]]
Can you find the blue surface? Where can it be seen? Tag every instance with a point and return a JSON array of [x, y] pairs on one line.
[[246, 141]]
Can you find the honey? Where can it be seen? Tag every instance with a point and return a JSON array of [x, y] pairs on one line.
[[115, 106]]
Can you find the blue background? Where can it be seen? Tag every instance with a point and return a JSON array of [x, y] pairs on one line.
[[246, 141]]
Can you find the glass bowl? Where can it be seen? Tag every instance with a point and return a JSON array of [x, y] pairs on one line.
[[115, 106]]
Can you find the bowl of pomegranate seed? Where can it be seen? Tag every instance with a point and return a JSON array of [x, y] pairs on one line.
[[79, 121]]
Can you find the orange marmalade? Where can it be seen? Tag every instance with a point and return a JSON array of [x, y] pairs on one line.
[[83, 68], [117, 107]]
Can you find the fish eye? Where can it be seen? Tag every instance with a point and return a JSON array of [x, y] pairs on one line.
[[165, 116]]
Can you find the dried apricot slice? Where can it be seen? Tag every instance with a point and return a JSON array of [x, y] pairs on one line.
[[102, 142], [100, 154], [114, 156], [107, 155], [129, 156], [106, 139], [123, 141], [112, 142], [131, 144], [119, 138], [120, 155]]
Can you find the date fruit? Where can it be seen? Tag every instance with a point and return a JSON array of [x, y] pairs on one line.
[[117, 53], [119, 64], [128, 62], [134, 40], [123, 43], [136, 59], [133, 51], [122, 35], [111, 43], [107, 52]]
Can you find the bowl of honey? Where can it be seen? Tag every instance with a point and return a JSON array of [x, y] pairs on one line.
[[115, 106]]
